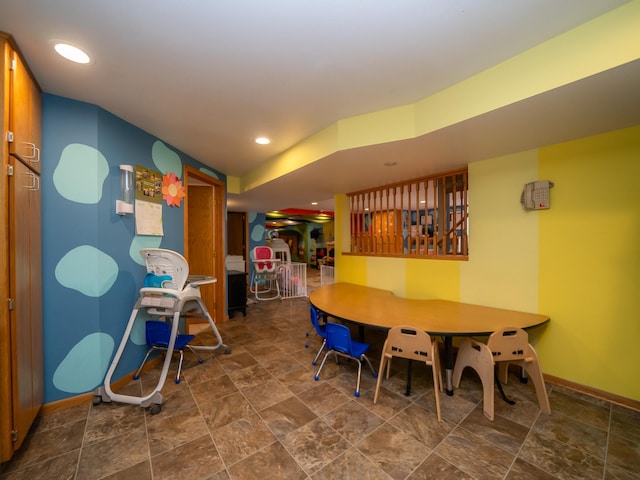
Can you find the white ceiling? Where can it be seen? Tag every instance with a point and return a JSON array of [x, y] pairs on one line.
[[209, 76]]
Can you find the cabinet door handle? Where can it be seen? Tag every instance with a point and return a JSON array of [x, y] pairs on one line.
[[35, 182], [35, 152]]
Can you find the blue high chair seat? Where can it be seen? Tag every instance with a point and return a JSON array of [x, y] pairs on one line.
[[158, 334]]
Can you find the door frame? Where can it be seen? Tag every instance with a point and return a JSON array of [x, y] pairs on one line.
[[218, 227]]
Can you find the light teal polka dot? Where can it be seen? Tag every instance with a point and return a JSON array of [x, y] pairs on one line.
[[87, 270], [252, 217], [211, 173], [138, 332], [257, 233], [80, 173], [142, 241], [85, 365], [165, 159]]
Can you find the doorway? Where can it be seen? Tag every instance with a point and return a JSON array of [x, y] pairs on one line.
[[203, 232], [237, 234]]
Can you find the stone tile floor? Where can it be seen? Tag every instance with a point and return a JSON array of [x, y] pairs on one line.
[[257, 413]]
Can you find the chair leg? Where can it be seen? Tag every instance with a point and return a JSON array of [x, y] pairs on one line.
[[269, 282], [363, 358], [383, 361], [477, 356], [253, 284], [357, 392], [464, 359], [308, 334], [256, 288], [534, 372], [436, 380], [375, 374], [144, 360], [503, 372], [317, 375], [200, 360], [179, 366], [315, 360]]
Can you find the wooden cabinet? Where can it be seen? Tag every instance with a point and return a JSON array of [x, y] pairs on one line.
[[25, 294], [21, 354], [25, 114]]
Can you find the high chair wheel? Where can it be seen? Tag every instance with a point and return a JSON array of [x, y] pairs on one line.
[[155, 409]]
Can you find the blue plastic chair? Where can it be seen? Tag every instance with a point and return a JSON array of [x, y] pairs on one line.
[[320, 329], [340, 343], [158, 334]]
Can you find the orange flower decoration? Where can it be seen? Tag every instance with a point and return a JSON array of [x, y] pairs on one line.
[[172, 189]]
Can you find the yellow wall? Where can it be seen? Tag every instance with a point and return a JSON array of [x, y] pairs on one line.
[[578, 262], [589, 270], [502, 270]]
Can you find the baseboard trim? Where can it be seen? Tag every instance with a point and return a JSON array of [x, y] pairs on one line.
[[85, 398], [593, 392]]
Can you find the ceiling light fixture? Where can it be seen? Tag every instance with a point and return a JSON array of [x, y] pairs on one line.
[[314, 203], [71, 52], [390, 164], [263, 141]]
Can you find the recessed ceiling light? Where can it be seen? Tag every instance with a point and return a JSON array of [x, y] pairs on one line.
[[390, 164], [314, 203], [263, 141], [71, 52]]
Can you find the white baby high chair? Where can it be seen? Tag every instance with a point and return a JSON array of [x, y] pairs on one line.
[[168, 293]]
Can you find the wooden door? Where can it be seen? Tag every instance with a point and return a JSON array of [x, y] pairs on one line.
[[201, 245], [24, 289], [21, 354], [204, 236], [5, 342], [237, 234]]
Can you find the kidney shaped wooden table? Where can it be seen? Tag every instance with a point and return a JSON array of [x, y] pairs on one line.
[[378, 308]]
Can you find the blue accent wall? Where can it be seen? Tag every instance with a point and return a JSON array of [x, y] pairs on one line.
[[91, 268], [257, 235]]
